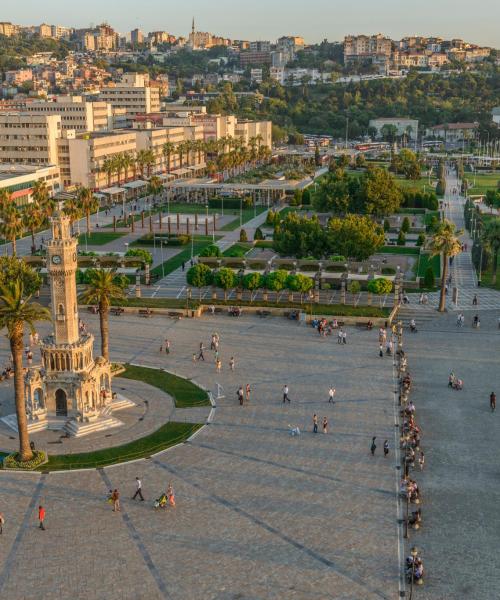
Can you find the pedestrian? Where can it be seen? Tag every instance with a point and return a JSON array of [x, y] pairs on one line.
[[331, 395], [315, 423], [212, 342], [240, 395], [171, 495], [194, 357], [285, 394], [183, 266], [386, 448], [474, 300], [161, 348], [493, 401], [218, 365], [325, 425], [115, 498], [421, 461], [2, 521], [373, 447], [138, 489], [340, 336], [231, 363], [381, 351], [41, 517], [247, 392], [167, 346], [200, 354], [344, 337]]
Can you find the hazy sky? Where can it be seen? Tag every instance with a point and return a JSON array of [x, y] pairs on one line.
[[477, 21]]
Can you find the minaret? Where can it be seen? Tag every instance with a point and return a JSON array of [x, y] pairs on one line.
[[192, 27], [62, 266]]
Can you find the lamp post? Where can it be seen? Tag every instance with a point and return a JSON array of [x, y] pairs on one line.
[[162, 262], [414, 554], [241, 213]]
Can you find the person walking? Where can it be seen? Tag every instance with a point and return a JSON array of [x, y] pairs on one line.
[[231, 363], [41, 517], [200, 353], [325, 425], [285, 394], [2, 521], [138, 489], [247, 392], [493, 401], [331, 395], [386, 448], [218, 365], [340, 336], [381, 351], [344, 337], [240, 395], [474, 300], [167, 346], [421, 461], [115, 498], [373, 447], [315, 423]]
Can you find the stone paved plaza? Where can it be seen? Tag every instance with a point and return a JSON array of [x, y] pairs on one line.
[[260, 514]]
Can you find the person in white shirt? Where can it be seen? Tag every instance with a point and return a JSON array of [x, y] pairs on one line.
[[331, 394], [138, 489]]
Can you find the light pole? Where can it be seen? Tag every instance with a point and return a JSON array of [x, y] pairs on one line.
[[162, 262], [241, 213]]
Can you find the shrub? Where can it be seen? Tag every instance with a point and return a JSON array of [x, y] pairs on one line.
[[405, 226], [199, 275], [13, 461], [258, 235], [388, 271], [387, 225], [401, 238], [429, 277], [271, 217], [144, 255], [306, 197], [421, 239], [253, 281], [441, 187], [380, 286], [243, 236], [211, 251], [337, 258], [354, 287]]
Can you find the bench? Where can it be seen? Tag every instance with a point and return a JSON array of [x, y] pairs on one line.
[[145, 312], [117, 311], [362, 324], [263, 313], [175, 315]]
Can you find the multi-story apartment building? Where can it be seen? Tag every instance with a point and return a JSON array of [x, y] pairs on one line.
[[246, 130], [260, 46], [408, 127], [453, 132], [8, 29], [136, 37], [76, 113], [44, 30], [18, 77], [19, 180], [161, 37], [134, 94], [250, 57], [87, 153], [376, 49], [154, 138], [29, 139]]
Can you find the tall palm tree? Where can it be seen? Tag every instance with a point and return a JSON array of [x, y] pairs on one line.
[[40, 193], [88, 204], [141, 161], [149, 161], [168, 149], [12, 225], [33, 218], [109, 166], [102, 289], [73, 210], [491, 238], [446, 244], [16, 311], [126, 161], [155, 186]]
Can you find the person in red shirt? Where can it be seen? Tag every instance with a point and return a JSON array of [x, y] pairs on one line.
[[41, 517]]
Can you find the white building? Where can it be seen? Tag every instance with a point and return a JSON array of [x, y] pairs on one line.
[[134, 94], [453, 132], [407, 127], [76, 113], [29, 138], [19, 180]]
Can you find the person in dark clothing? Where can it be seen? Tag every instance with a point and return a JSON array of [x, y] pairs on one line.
[[493, 401], [373, 447]]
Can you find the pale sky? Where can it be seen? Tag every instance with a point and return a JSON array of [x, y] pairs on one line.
[[477, 21]]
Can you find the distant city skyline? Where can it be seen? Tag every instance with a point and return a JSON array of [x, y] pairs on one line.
[[269, 19]]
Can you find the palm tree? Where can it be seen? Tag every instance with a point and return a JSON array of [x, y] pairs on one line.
[[149, 161], [126, 162], [109, 166], [445, 243], [12, 225], [40, 193], [33, 218], [16, 311], [88, 204], [73, 210], [155, 186], [491, 238], [168, 149], [142, 160], [102, 290]]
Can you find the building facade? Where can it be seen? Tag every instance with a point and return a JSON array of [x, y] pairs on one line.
[[134, 94], [76, 113], [29, 139], [19, 181]]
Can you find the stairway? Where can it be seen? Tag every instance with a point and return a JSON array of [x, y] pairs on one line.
[[76, 428]]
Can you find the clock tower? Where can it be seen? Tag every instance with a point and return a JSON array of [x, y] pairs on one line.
[[62, 266]]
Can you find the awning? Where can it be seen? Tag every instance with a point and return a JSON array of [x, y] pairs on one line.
[[181, 172], [133, 185], [113, 191]]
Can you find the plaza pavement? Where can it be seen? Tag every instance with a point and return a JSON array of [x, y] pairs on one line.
[[259, 514]]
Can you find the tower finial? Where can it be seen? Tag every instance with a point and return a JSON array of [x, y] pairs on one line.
[[192, 27]]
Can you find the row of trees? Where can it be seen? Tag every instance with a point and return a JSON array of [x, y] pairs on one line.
[[354, 236], [15, 221], [200, 276]]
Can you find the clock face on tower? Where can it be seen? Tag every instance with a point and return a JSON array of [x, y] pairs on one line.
[[56, 259]]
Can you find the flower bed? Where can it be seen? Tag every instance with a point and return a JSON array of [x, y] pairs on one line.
[[12, 461]]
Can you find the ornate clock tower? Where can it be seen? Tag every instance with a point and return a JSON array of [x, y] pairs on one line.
[[70, 390]]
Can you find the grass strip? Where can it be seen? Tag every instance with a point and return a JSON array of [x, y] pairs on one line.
[[167, 435], [185, 393], [99, 238]]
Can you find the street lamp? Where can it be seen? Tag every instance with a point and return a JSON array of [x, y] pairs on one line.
[[241, 212], [162, 262]]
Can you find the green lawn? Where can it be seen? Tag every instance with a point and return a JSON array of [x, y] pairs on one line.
[[167, 435], [176, 261], [99, 238], [421, 184], [425, 261], [483, 183], [399, 250], [184, 393], [247, 215], [237, 250]]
